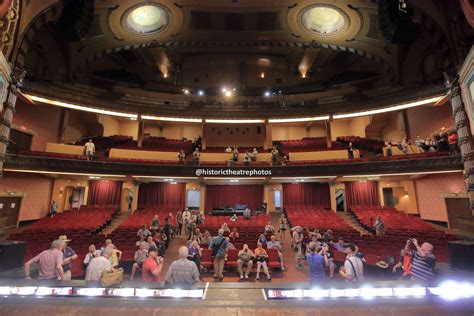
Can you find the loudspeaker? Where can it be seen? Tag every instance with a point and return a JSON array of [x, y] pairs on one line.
[[461, 253], [12, 255]]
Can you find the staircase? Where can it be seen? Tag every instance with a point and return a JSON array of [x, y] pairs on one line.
[[353, 222], [116, 222]]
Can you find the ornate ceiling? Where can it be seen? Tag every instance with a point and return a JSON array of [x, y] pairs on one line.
[[286, 45]]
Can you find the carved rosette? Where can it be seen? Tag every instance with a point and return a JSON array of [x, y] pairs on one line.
[[8, 27]]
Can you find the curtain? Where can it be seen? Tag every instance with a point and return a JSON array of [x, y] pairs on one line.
[[104, 192], [306, 195], [230, 195], [362, 193], [162, 194]]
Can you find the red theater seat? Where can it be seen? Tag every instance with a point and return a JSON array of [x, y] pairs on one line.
[[273, 258], [206, 259], [232, 257]]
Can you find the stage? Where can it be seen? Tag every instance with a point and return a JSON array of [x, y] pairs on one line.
[[21, 297]]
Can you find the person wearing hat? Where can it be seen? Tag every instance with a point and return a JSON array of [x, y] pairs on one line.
[[353, 270], [69, 255], [152, 266]]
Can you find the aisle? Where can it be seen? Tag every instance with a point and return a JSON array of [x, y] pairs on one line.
[[290, 275]]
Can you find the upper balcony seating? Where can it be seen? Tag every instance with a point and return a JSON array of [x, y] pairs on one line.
[[302, 145], [241, 149], [106, 142], [369, 144], [159, 144]]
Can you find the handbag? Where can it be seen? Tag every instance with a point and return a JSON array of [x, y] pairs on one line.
[[111, 277]]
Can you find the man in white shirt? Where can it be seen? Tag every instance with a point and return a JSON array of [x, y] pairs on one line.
[[99, 264], [90, 149], [353, 266]]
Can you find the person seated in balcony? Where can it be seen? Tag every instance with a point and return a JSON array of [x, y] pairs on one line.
[[155, 223], [275, 244], [274, 153], [254, 154], [181, 156], [261, 257], [262, 239], [453, 142], [430, 144], [388, 149], [143, 231], [235, 155], [269, 229], [379, 226], [228, 150], [234, 234], [196, 157], [420, 143], [405, 146], [140, 255], [246, 257], [247, 158], [285, 161], [89, 149], [350, 151]]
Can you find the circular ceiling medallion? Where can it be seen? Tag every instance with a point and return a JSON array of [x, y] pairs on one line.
[[146, 18], [324, 19]]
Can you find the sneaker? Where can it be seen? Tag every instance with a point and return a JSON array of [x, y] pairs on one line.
[[246, 276], [215, 276], [241, 277], [269, 277], [283, 269], [257, 277], [299, 267]]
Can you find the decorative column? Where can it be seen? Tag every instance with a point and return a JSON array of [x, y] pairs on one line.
[[464, 132], [8, 111], [327, 124], [141, 130]]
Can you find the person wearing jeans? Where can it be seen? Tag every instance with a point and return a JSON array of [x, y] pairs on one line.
[[219, 248]]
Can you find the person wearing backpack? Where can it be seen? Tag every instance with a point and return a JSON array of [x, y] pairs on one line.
[[353, 270], [219, 248]]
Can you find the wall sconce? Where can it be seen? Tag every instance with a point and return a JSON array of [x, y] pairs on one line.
[[61, 191]]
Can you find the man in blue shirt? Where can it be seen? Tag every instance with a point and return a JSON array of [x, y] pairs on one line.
[[219, 248], [68, 256], [316, 263]]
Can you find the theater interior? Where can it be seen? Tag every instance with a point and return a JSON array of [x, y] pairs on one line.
[[349, 116]]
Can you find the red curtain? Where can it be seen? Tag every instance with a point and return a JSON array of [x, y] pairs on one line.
[[162, 194], [306, 195], [104, 192], [230, 195], [362, 193]]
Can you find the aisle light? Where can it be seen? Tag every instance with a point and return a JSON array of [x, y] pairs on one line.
[[78, 107], [389, 109]]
